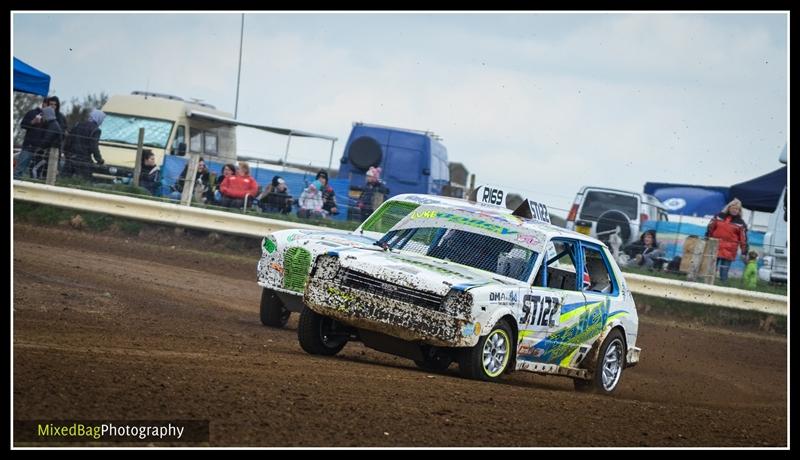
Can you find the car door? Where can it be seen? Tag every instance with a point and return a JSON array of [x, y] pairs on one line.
[[547, 306], [599, 288]]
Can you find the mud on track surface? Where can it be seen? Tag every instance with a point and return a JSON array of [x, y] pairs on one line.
[[106, 328]]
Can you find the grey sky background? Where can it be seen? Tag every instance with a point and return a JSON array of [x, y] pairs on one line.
[[541, 103]]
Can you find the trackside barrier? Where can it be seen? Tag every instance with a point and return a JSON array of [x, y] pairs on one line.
[[684, 291], [152, 211], [238, 224]]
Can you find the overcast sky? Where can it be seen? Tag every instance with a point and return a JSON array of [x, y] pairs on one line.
[[542, 103]]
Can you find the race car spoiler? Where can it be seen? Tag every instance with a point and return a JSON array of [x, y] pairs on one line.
[[488, 195]]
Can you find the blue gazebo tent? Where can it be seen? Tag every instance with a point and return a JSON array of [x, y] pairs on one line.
[[761, 193], [28, 79]]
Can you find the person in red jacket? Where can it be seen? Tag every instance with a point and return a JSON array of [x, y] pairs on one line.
[[729, 227], [236, 189]]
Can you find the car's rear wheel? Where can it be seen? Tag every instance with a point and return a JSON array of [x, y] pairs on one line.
[[490, 357], [273, 312], [320, 335], [609, 366]]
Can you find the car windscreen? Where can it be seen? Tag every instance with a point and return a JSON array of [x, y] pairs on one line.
[[474, 250], [598, 202], [387, 215], [124, 129]]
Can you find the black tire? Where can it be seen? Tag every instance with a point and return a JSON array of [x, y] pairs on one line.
[[317, 334], [597, 384], [470, 361], [435, 360], [273, 313]]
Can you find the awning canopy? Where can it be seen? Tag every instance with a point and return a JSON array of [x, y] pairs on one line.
[[30, 80], [272, 129], [761, 193], [689, 200]]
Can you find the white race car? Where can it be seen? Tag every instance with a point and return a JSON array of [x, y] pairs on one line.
[[491, 290], [287, 255]]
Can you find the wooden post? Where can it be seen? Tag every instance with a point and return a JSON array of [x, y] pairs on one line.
[[188, 183], [52, 166], [137, 168]]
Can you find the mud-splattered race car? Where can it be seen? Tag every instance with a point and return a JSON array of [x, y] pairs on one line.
[[491, 290], [287, 255]]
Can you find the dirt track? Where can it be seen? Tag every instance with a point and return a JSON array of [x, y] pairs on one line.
[[106, 328]]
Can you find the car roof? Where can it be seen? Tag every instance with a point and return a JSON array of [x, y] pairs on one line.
[[550, 230], [447, 202], [607, 189]]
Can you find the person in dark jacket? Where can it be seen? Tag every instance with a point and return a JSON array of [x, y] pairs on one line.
[[328, 195], [55, 103], [83, 144], [51, 137], [150, 178], [33, 124], [645, 252], [373, 194], [275, 197], [729, 227], [202, 186]]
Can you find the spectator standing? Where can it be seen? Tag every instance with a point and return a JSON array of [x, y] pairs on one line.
[[150, 178], [750, 279], [729, 227], [33, 124], [83, 144], [236, 189], [51, 138], [373, 194]]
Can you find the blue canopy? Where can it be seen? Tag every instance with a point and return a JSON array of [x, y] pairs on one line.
[[761, 193], [30, 80], [689, 200]]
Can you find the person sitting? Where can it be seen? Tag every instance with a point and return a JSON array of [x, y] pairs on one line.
[[150, 177], [311, 203], [201, 185], [645, 252], [328, 195], [238, 189], [228, 170], [275, 197]]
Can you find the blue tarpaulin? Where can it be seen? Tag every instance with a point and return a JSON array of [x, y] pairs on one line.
[[30, 80], [689, 200], [761, 193]]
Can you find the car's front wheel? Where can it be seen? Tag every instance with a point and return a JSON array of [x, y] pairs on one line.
[[273, 312], [608, 369], [320, 335], [490, 357], [434, 360]]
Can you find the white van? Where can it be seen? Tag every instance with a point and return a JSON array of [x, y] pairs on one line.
[[170, 124], [776, 249], [598, 211]]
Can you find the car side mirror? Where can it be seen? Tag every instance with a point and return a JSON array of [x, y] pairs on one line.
[[182, 149]]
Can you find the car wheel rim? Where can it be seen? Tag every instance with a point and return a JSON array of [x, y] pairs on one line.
[[612, 365], [324, 332], [495, 353]]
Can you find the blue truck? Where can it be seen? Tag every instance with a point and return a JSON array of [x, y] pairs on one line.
[[411, 161]]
